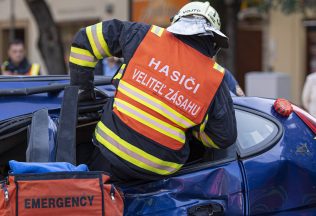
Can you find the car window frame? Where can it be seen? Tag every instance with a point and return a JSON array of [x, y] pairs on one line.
[[240, 153], [266, 144]]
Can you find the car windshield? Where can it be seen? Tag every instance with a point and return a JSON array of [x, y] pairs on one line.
[[253, 130]]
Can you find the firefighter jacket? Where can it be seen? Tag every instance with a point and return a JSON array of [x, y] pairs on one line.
[[166, 91], [24, 68]]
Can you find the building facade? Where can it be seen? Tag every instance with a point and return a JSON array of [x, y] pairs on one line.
[[277, 42], [70, 15], [289, 48]]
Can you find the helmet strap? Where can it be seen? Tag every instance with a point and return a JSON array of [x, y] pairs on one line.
[[217, 49]]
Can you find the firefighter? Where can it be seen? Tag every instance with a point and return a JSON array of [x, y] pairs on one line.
[[17, 64], [168, 89]]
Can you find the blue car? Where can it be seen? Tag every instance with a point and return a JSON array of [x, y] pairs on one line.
[[271, 169]]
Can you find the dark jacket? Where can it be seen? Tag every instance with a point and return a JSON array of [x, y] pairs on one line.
[[21, 69]]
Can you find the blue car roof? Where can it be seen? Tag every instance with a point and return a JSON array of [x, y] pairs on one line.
[[12, 106]]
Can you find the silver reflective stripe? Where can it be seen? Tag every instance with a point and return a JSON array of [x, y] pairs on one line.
[[133, 154], [96, 40], [149, 121], [159, 109], [157, 30], [207, 141], [82, 57]]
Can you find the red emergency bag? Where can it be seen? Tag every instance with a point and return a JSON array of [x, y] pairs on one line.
[[60, 193]]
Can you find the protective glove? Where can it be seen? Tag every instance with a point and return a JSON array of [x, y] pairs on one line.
[[86, 95]]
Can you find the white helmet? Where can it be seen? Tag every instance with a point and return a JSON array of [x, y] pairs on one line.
[[198, 18]]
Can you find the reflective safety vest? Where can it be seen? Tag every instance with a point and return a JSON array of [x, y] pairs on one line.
[[166, 88], [34, 70]]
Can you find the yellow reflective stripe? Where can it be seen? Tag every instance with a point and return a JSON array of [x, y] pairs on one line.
[[78, 50], [132, 154], [82, 57], [155, 105], [95, 36], [204, 138], [118, 76], [219, 68], [157, 30], [202, 126], [120, 72], [82, 63], [196, 135], [153, 29], [150, 121], [93, 43], [207, 141], [35, 70], [102, 41]]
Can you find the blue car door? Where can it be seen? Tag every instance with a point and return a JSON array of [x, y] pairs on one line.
[[210, 188]]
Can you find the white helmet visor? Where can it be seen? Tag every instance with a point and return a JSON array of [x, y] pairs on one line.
[[194, 25]]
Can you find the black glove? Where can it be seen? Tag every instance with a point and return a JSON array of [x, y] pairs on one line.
[[86, 95]]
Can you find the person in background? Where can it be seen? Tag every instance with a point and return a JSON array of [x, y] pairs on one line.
[[309, 94], [232, 84], [17, 64]]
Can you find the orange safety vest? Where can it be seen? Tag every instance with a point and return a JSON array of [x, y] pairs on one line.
[[166, 88]]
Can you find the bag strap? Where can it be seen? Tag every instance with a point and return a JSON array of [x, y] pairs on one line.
[[66, 133], [38, 144]]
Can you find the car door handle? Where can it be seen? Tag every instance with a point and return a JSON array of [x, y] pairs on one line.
[[211, 209]]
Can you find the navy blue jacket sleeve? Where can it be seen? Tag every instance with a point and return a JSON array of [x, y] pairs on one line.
[[118, 38], [219, 127]]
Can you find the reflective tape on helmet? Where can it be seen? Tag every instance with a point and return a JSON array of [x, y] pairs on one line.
[[154, 104], [149, 120], [82, 57], [97, 41], [132, 154]]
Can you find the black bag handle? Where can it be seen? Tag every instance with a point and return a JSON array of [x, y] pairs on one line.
[[38, 146], [66, 133]]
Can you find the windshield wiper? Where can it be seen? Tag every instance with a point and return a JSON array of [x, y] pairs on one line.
[[55, 88]]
